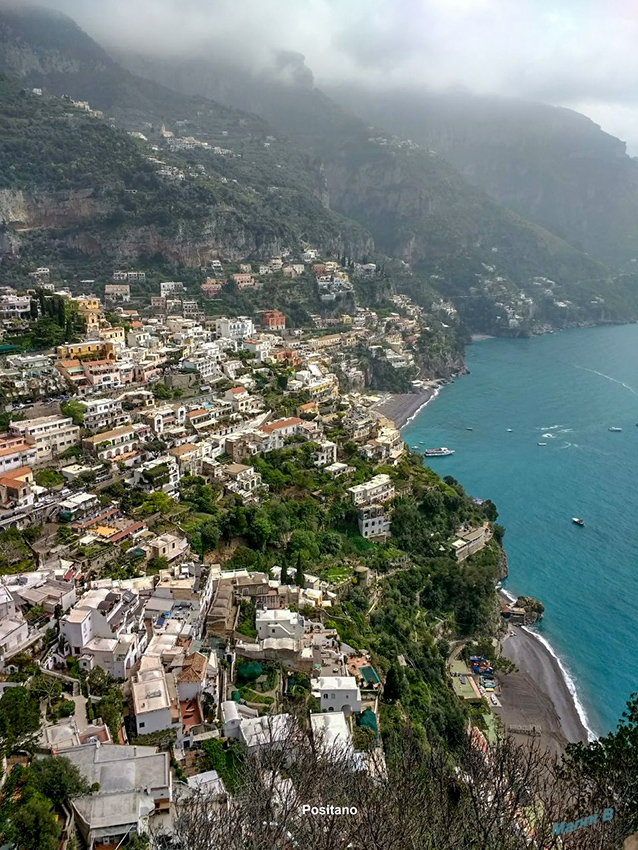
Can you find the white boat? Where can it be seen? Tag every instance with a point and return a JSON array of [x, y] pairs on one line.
[[509, 430], [578, 521], [541, 444], [442, 452], [614, 428]]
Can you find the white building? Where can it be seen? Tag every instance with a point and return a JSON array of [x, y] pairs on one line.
[[15, 306], [373, 521], [339, 693], [331, 732], [235, 328], [377, 489], [326, 454], [49, 434], [154, 707], [13, 632], [100, 412], [279, 623]]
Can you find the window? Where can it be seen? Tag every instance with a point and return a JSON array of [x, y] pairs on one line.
[[332, 696], [141, 725]]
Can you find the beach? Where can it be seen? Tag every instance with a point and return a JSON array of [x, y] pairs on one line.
[[537, 696], [402, 408]]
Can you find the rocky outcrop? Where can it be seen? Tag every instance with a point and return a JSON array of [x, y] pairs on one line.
[[533, 609], [20, 210], [78, 220]]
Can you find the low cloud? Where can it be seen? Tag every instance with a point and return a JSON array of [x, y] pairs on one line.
[[566, 52]]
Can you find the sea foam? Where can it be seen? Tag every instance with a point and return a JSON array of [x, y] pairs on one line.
[[571, 685]]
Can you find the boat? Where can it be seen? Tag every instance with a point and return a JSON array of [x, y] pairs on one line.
[[578, 521], [614, 428], [442, 452], [541, 444], [509, 430], [469, 429]]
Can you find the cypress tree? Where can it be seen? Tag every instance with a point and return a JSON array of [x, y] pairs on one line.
[[299, 577]]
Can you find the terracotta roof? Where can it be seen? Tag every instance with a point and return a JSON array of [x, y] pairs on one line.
[[184, 449], [280, 423], [20, 447], [14, 474], [108, 435], [192, 413], [238, 390], [193, 668]]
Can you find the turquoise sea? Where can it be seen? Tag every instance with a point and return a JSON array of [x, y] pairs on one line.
[[565, 389]]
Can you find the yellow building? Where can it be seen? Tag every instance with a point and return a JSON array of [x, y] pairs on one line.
[[98, 349]]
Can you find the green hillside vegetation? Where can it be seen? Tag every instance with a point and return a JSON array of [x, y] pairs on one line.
[[47, 145]]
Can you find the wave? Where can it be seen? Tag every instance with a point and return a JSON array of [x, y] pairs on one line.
[[571, 685], [506, 593], [422, 407], [608, 377]]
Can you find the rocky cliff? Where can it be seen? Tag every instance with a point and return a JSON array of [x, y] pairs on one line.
[[551, 165]]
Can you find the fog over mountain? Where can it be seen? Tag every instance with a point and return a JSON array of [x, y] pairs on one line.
[[577, 54]]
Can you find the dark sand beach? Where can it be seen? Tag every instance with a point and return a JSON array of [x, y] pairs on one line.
[[537, 697], [402, 407]]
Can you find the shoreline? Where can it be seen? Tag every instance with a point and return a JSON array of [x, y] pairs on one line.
[[540, 698], [403, 408], [540, 695]]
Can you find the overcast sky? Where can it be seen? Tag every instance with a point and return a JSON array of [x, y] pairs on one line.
[[577, 53]]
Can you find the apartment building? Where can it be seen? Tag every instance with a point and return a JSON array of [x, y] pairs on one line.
[[377, 489], [274, 320], [235, 328], [49, 434], [100, 412], [112, 444], [117, 293]]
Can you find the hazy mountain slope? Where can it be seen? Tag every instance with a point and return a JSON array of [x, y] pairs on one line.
[[254, 197], [551, 165], [255, 189], [95, 189], [415, 204]]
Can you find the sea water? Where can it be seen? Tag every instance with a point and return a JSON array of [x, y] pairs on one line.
[[564, 389]]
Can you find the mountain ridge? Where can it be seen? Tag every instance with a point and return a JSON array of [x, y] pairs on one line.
[[303, 170]]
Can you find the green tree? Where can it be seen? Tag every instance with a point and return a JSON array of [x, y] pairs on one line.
[[58, 779], [394, 684], [35, 824], [300, 580], [19, 719], [74, 409], [284, 574], [157, 502], [48, 478], [156, 564]]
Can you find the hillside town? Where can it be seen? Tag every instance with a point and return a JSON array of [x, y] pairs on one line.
[[137, 455]]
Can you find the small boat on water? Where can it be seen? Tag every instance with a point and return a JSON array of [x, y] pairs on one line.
[[541, 444], [509, 430], [614, 428], [441, 452], [578, 521], [469, 429]]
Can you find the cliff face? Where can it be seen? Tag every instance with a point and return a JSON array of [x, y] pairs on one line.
[[77, 220], [551, 165], [20, 210]]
